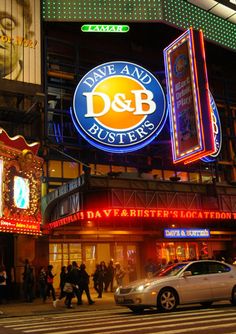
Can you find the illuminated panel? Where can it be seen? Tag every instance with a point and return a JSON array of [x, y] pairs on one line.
[[154, 214], [180, 14], [104, 28], [21, 192], [20, 47], [188, 95], [1, 183], [186, 233]]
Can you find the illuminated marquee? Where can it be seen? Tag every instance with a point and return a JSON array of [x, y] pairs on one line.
[[186, 233], [119, 107], [188, 98], [20, 176], [141, 214]]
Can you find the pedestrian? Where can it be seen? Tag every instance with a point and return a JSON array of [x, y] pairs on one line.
[[50, 287], [119, 274], [63, 276], [67, 292], [84, 284], [109, 279], [3, 284], [74, 278], [43, 283], [28, 282], [98, 280]]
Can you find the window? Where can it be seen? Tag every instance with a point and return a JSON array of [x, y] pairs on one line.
[[216, 268], [198, 268]]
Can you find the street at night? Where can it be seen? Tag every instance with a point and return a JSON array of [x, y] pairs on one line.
[[220, 318]]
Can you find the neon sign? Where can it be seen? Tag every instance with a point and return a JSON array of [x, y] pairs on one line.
[[154, 214], [188, 98], [186, 233], [217, 132], [22, 226], [119, 107], [104, 28]]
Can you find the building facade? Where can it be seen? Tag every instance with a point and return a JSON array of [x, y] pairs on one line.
[[80, 179]]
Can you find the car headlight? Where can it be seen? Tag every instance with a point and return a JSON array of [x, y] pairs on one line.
[[142, 287], [117, 290]]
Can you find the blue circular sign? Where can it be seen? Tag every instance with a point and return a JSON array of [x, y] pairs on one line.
[[119, 107], [216, 130]]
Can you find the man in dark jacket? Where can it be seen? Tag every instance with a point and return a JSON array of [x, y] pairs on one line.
[[84, 285]]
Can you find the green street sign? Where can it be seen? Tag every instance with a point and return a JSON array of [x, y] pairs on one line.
[[104, 28]]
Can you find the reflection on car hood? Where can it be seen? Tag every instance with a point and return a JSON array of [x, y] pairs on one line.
[[148, 280]]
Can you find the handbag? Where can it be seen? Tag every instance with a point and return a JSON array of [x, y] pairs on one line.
[[68, 288]]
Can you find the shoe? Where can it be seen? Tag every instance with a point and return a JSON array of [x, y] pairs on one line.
[[91, 302], [99, 296], [79, 303], [70, 306]]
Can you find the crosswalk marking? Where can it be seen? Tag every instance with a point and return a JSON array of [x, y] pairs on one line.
[[123, 321], [109, 319]]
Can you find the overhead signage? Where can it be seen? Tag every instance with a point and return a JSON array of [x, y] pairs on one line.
[[217, 132], [119, 107], [154, 214], [104, 28], [186, 233], [188, 98]]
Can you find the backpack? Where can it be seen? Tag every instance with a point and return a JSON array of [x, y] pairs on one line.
[[49, 280]]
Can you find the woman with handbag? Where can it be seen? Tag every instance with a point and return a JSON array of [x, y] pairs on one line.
[[68, 289]]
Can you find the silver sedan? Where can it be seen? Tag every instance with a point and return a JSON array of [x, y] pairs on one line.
[[203, 281]]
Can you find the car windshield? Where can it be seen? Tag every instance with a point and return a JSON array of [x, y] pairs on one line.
[[171, 270]]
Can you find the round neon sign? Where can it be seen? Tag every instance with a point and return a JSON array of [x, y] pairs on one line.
[[119, 107]]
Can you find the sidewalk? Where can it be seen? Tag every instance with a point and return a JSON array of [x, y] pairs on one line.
[[19, 308]]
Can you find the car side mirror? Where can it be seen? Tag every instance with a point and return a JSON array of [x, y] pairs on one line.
[[187, 273]]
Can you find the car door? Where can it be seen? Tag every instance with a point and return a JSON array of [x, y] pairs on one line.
[[222, 280], [196, 288]]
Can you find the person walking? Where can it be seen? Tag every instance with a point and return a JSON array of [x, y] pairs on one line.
[[119, 274], [63, 276], [98, 280], [50, 287], [84, 284], [67, 291], [109, 279]]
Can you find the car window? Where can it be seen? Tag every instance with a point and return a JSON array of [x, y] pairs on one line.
[[172, 270], [215, 267], [198, 268]]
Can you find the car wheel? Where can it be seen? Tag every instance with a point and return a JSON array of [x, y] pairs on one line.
[[167, 300], [206, 304], [136, 309], [233, 299]]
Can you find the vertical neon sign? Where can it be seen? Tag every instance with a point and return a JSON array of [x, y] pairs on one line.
[[188, 95], [1, 185]]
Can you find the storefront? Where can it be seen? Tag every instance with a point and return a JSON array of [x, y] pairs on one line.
[[20, 194], [130, 234]]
